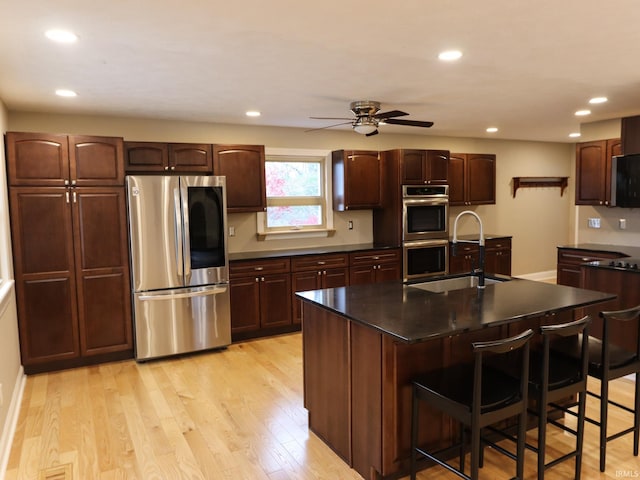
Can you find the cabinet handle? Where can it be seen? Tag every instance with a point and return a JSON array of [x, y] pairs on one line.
[[319, 272], [258, 269], [66, 194], [166, 168], [66, 183], [73, 182], [322, 263], [262, 279], [173, 168], [75, 199], [257, 279], [324, 272], [376, 258]]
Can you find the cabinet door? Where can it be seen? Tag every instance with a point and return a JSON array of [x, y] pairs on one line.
[[275, 300], [146, 157], [480, 173], [362, 274], [437, 167], [44, 273], [102, 265], [590, 173], [243, 165], [614, 147], [457, 179], [245, 304], [466, 258], [387, 272], [189, 157], [37, 159], [413, 165], [302, 281], [356, 180], [96, 160]]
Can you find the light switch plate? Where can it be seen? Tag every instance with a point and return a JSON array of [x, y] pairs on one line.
[[594, 223]]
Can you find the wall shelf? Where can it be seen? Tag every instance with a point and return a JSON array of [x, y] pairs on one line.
[[530, 182]]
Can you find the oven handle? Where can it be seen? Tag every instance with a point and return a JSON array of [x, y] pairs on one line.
[[425, 201], [425, 243]]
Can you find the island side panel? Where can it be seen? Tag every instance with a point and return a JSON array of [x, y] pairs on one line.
[[327, 377], [366, 400]]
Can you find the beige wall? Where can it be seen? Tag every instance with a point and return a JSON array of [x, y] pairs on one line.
[[10, 369], [538, 219]]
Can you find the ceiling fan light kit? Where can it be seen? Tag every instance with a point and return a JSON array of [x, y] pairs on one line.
[[367, 118]]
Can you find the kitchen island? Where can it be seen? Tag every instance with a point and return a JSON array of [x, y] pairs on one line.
[[363, 344]]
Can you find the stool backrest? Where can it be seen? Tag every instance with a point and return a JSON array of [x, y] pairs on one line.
[[618, 316]]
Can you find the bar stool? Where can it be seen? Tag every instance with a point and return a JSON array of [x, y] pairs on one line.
[[476, 395], [608, 361], [553, 377]]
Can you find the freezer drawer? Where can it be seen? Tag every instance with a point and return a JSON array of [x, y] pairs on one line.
[[169, 322]]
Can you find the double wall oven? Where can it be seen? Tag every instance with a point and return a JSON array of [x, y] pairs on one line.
[[425, 231]]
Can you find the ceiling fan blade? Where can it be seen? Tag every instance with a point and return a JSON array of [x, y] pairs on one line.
[[375, 132], [330, 118], [392, 113], [410, 123], [328, 126]]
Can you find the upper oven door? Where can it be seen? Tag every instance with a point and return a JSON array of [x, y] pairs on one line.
[[425, 218]]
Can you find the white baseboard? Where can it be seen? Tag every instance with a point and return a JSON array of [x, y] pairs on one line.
[[11, 421], [549, 275]]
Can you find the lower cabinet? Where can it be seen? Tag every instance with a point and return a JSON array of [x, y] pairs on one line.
[[373, 266], [467, 257], [72, 276], [260, 297], [314, 272], [569, 261]]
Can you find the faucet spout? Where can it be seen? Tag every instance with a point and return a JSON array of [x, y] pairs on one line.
[[480, 270]]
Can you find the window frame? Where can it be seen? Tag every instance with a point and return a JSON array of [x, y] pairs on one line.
[[310, 155]]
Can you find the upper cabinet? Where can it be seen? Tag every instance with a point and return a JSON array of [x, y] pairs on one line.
[[593, 171], [424, 167], [152, 157], [41, 159], [356, 180], [630, 133], [472, 179], [243, 165]]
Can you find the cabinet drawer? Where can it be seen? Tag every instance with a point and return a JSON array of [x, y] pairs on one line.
[[314, 262], [498, 244], [250, 268], [577, 257], [463, 248], [371, 257]]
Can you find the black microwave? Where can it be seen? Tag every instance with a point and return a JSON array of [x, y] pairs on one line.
[[625, 181]]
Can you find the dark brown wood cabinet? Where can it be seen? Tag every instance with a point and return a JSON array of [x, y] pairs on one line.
[[420, 167], [593, 171], [157, 157], [472, 179], [243, 165], [374, 266], [313, 272], [630, 135], [51, 160], [356, 180], [467, 257], [260, 297], [70, 252], [569, 261]]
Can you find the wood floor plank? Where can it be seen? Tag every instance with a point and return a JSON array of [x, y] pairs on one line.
[[230, 414]]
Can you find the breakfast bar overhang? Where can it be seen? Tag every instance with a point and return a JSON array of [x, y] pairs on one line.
[[363, 344]]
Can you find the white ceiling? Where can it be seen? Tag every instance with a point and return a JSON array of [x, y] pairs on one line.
[[527, 66]]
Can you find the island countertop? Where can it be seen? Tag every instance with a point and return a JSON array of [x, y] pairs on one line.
[[410, 314]]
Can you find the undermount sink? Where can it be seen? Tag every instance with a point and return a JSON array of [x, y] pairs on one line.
[[453, 283]]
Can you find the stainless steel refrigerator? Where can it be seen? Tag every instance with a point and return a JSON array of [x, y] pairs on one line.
[[179, 264]]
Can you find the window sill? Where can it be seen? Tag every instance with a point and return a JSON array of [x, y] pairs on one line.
[[297, 234]]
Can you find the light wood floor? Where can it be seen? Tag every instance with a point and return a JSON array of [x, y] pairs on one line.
[[233, 414]]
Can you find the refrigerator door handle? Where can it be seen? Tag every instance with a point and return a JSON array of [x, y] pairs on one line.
[[186, 239], [177, 231], [198, 293]]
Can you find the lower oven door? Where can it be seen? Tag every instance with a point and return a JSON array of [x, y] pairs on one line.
[[425, 258]]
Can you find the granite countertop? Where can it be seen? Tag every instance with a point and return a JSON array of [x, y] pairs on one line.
[[410, 314], [622, 250]]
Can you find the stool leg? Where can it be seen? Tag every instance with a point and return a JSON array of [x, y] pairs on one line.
[[475, 452], [414, 432], [582, 408], [604, 407], [522, 432], [461, 426], [636, 416], [542, 436]]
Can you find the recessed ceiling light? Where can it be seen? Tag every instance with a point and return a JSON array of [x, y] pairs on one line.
[[253, 113], [61, 92], [450, 55], [492, 130], [582, 113], [574, 134], [61, 36], [598, 100]]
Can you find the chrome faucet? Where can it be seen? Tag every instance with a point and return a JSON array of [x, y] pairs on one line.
[[480, 270]]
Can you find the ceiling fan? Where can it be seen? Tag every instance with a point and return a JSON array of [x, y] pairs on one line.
[[368, 117]]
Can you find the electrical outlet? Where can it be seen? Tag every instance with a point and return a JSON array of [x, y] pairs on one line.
[[232, 231], [594, 223], [350, 224], [622, 223]]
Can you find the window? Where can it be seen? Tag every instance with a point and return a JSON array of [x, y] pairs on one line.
[[297, 193]]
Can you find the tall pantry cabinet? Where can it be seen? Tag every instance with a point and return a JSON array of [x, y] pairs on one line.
[[71, 261]]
